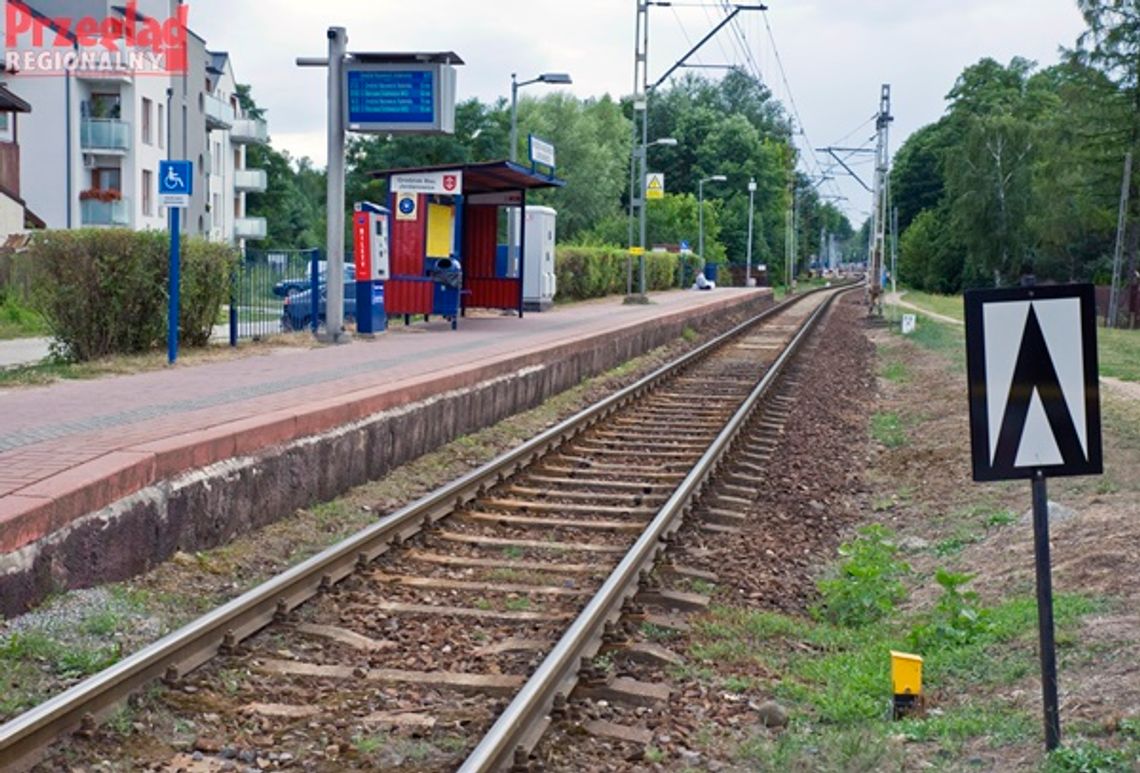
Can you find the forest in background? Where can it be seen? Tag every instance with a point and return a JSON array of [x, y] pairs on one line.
[[1022, 174]]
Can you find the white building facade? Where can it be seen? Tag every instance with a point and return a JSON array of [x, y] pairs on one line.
[[90, 149]]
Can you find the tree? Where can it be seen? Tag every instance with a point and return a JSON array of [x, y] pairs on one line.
[[1112, 44]]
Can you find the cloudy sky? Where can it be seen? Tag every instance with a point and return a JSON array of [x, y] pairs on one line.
[[835, 53]]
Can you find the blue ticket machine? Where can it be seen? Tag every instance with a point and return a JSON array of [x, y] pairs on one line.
[[370, 254]]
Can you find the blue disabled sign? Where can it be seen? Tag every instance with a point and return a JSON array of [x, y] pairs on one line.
[[175, 183]]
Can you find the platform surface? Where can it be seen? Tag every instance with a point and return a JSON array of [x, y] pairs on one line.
[[75, 447]]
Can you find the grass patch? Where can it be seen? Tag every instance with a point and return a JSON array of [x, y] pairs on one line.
[[18, 320], [887, 428], [895, 371], [946, 305], [833, 672], [1118, 353]]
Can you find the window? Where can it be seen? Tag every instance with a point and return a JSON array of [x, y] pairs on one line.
[[217, 158], [217, 210], [107, 178], [147, 192], [147, 133], [162, 126]]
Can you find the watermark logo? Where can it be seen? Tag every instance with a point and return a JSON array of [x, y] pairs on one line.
[[126, 42]]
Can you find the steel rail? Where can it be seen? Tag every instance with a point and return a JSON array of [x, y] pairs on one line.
[[25, 737], [524, 719]]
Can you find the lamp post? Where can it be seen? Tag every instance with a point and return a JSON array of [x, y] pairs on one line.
[[751, 207], [555, 79], [642, 153], [719, 178]]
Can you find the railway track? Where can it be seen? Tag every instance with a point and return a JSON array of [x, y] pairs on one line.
[[460, 623]]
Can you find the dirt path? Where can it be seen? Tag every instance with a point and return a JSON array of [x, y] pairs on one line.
[[896, 300], [1129, 389]]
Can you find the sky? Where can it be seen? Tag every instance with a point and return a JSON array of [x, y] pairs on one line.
[[835, 54]]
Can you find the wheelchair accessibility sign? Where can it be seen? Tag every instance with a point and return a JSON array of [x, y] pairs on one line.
[[175, 183]]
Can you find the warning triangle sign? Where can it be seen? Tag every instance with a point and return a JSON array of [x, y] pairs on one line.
[[1034, 398], [655, 185]]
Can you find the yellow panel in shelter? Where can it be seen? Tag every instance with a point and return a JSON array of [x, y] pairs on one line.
[[440, 230]]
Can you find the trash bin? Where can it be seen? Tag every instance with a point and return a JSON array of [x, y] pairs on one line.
[[710, 271]]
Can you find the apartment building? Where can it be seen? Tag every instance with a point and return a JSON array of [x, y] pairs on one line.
[[15, 217], [91, 147]]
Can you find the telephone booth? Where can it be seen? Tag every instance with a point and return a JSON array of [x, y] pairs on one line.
[[445, 231]]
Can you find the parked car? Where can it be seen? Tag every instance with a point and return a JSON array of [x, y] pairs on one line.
[[297, 284], [298, 309]]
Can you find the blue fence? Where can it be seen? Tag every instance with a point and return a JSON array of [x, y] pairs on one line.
[[267, 284]]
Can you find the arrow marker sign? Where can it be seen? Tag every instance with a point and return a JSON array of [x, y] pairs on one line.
[[1034, 396]]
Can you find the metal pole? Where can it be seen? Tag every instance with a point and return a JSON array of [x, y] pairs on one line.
[[1113, 317], [751, 208], [1045, 612], [894, 249], [513, 262], [334, 264], [701, 222], [644, 198], [175, 281]]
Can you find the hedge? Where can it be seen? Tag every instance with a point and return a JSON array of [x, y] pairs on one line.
[[593, 272], [104, 291]]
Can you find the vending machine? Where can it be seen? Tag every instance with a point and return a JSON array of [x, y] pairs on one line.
[[370, 254]]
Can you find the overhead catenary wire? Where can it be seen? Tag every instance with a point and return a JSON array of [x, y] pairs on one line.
[[795, 108]]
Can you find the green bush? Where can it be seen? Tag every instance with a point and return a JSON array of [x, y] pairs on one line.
[[104, 291], [866, 587], [956, 619], [207, 271], [593, 271]]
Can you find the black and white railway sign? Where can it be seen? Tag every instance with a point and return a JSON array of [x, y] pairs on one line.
[[1034, 396]]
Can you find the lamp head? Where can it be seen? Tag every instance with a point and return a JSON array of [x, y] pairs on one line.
[[718, 178], [667, 141], [561, 78]]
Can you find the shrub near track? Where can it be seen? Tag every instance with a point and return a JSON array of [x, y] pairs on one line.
[[593, 272], [103, 291]]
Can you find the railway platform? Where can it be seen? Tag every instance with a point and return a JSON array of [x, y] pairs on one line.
[[101, 479]]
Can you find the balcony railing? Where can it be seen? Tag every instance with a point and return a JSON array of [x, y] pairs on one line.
[[251, 180], [250, 228], [104, 134], [95, 212], [219, 113], [248, 131]]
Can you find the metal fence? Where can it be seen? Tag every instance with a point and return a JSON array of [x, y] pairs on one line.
[[265, 282]]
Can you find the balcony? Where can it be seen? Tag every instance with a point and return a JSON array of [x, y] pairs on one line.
[[249, 131], [250, 180], [96, 212], [219, 113], [105, 134], [250, 228]]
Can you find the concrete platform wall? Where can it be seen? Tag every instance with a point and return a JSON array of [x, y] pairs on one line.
[[212, 505]]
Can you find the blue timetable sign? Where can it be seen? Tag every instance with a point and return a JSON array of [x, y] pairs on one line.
[[399, 98]]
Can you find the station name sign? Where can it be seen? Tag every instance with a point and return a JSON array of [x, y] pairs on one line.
[[447, 183], [399, 97]]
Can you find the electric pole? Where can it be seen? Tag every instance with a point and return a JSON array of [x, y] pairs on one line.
[[1113, 318], [879, 210]]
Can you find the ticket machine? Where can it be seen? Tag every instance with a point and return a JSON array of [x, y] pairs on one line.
[[370, 254]]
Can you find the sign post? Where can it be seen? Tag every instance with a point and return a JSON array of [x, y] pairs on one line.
[[1034, 412], [175, 185]]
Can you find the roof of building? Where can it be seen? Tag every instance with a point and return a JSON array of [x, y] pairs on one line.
[[217, 61], [10, 103], [486, 176]]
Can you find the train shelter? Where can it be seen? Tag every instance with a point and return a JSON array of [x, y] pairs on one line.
[[445, 232]]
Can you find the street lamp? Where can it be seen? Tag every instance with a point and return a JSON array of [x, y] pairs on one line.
[[642, 153], [751, 207], [553, 78], [718, 178]]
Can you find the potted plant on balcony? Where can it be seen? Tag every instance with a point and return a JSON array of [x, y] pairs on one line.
[[106, 195]]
